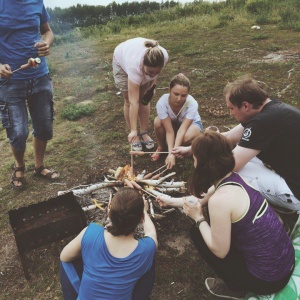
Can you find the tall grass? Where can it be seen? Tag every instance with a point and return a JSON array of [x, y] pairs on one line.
[[284, 12]]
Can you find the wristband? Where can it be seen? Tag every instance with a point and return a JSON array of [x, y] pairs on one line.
[[200, 221]]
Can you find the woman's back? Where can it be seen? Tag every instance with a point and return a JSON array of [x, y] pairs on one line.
[[109, 277], [261, 237]]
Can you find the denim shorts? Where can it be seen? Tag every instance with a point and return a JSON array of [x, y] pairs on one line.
[[14, 112], [197, 123]]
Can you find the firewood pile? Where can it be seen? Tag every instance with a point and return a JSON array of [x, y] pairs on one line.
[[94, 198]]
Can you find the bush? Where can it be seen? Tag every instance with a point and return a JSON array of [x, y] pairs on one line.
[[226, 17], [262, 19], [257, 6], [73, 112], [260, 36]]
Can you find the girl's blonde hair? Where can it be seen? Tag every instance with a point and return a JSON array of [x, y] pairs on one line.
[[153, 57]]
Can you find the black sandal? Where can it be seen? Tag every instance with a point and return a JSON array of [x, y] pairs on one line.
[[149, 143], [14, 178], [48, 176]]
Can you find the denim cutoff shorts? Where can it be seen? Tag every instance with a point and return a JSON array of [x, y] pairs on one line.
[[14, 112]]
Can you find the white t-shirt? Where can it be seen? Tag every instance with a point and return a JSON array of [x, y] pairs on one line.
[[189, 110], [130, 55]]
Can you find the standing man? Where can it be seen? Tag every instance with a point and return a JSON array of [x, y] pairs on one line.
[[267, 142], [25, 33]]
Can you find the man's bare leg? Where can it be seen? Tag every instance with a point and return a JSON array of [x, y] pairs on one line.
[[39, 153], [19, 162]]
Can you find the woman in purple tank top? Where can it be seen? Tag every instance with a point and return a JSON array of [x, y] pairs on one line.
[[243, 240]]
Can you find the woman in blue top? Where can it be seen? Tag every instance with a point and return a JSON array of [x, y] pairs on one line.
[[244, 241], [115, 264]]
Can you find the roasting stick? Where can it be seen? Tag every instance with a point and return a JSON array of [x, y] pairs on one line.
[[131, 161], [148, 193], [159, 174], [150, 202], [32, 62], [150, 175], [143, 152], [164, 166]]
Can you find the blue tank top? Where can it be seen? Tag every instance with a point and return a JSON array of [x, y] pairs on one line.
[[107, 277], [260, 237]]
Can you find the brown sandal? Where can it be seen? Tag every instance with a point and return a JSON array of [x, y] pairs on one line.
[[20, 179], [48, 176]]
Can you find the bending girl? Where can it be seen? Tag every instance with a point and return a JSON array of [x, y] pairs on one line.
[[136, 65]]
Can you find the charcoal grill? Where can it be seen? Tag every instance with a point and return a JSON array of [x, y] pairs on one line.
[[43, 223]]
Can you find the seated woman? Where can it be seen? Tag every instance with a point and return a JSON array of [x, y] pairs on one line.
[[244, 241], [178, 120], [115, 265]]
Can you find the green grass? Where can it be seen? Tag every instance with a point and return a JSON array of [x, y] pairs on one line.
[[81, 71]]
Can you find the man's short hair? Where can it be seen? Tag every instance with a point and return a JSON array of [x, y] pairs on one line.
[[245, 88]]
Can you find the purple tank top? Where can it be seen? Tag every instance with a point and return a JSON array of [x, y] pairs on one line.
[[261, 238]]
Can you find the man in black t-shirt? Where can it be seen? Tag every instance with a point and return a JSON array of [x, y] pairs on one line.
[[268, 134], [266, 142]]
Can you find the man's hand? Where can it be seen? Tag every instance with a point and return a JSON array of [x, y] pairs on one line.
[[43, 48], [5, 71]]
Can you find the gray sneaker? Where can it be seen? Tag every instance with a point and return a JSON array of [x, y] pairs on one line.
[[217, 287]]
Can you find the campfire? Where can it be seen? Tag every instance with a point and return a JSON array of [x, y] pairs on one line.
[[150, 184]]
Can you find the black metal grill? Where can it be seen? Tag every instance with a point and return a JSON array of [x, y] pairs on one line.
[[40, 224]]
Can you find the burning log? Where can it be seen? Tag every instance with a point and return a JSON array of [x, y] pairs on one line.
[[91, 188], [165, 177], [155, 183], [171, 190], [141, 176], [154, 192], [90, 207]]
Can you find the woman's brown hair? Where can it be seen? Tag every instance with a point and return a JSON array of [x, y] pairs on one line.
[[180, 79], [153, 57], [126, 212], [214, 160]]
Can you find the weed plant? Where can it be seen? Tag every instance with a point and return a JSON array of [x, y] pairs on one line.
[[75, 111]]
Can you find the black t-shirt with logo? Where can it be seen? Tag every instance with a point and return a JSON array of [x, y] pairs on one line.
[[275, 131]]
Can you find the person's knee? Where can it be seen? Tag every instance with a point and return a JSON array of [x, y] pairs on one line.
[[18, 140], [43, 132], [187, 140], [157, 122]]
